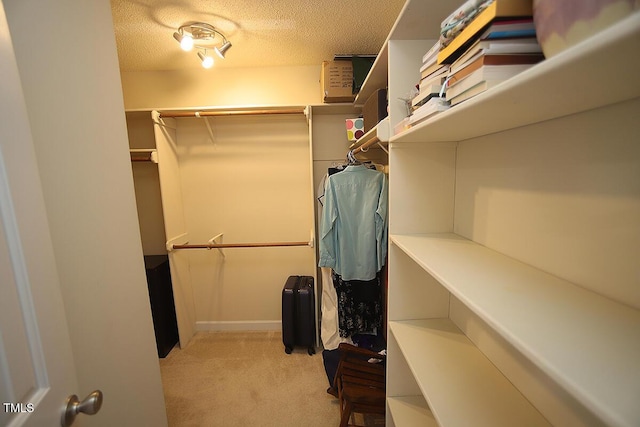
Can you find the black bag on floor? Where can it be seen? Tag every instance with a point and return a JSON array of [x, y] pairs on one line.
[[298, 314], [330, 359]]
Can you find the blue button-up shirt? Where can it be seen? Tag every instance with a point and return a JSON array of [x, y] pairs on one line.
[[353, 229]]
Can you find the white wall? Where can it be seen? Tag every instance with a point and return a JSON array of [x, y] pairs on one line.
[[222, 87], [75, 107], [252, 183], [555, 196], [147, 185]]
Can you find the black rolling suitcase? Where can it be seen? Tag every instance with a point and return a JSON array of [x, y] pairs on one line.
[[298, 314]]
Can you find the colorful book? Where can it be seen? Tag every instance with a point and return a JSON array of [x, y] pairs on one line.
[[497, 10], [486, 72], [481, 60], [510, 29], [460, 18], [497, 47]]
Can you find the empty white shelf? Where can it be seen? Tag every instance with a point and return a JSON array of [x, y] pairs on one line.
[[539, 314], [454, 377], [411, 411]]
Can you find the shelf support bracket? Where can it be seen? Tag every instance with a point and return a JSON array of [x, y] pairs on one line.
[[213, 241], [383, 147], [206, 122], [180, 239]]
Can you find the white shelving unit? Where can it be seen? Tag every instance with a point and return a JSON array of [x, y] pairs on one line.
[[496, 288], [411, 411], [514, 239], [456, 371], [553, 88]]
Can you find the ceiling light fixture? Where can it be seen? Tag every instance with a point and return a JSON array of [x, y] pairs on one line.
[[203, 37]]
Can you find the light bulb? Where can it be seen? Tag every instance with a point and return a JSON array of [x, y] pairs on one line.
[[186, 43], [207, 61]]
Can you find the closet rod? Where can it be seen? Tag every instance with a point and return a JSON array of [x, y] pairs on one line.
[[230, 113], [240, 245], [142, 155], [368, 143]]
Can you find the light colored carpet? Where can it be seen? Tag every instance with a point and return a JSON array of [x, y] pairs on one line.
[[245, 379]]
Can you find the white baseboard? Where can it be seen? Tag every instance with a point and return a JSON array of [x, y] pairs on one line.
[[241, 325]]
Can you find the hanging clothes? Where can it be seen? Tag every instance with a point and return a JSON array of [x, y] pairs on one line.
[[353, 244], [339, 168], [329, 331], [359, 305], [353, 239], [329, 327]]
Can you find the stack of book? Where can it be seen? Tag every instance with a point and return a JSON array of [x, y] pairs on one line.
[[488, 63], [431, 89], [498, 43]]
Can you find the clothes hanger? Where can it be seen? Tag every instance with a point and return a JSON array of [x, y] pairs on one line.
[[351, 158]]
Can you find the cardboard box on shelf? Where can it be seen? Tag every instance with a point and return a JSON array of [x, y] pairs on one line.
[[337, 81]]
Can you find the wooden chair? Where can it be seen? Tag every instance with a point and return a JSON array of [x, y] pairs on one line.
[[360, 383]]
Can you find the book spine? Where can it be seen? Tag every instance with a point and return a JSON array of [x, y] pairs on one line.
[[511, 34]]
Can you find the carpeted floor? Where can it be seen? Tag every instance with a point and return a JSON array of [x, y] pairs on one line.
[[245, 379]]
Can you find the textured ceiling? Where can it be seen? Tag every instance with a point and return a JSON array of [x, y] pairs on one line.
[[263, 33]]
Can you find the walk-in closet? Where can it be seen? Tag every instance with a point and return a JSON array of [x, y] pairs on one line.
[[511, 222], [231, 197], [226, 179], [395, 213]]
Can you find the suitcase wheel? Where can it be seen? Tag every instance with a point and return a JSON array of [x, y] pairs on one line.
[[311, 351], [288, 350]]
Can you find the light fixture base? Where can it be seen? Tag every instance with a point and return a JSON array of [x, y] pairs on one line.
[[203, 37]]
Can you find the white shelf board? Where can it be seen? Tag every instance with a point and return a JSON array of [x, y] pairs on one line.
[[410, 411], [588, 344], [455, 376], [600, 71], [418, 20]]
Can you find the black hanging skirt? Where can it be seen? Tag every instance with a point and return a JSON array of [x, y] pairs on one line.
[[359, 305]]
